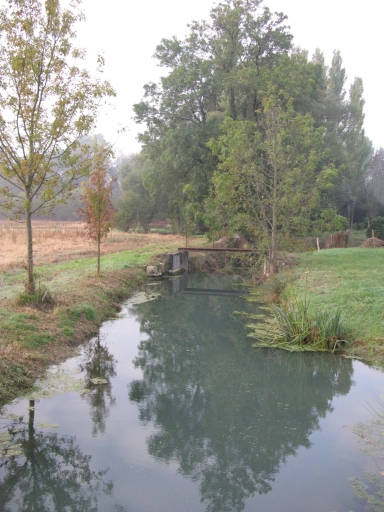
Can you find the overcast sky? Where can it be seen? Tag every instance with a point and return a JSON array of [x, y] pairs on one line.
[[127, 33]]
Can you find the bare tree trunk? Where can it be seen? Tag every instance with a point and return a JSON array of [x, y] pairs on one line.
[[232, 105], [30, 285], [273, 267], [98, 257], [352, 215]]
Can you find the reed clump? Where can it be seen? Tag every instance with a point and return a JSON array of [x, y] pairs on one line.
[[292, 327]]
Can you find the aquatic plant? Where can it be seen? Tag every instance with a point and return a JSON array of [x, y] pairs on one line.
[[292, 327]]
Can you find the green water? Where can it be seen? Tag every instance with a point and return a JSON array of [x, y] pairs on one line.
[[170, 409]]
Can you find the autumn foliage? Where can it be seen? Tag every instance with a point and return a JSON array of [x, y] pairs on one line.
[[98, 212]]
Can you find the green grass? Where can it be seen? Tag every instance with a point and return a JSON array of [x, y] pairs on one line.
[[351, 280], [294, 328], [70, 316], [23, 329], [59, 277], [334, 295]]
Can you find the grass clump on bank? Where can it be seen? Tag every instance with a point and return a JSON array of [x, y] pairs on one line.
[[346, 283], [293, 328]]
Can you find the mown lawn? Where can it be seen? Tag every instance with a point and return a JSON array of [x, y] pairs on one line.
[[352, 279]]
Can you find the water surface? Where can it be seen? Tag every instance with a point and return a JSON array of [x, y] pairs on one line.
[[175, 411]]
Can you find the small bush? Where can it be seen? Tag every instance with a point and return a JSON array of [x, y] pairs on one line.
[[278, 285], [377, 226]]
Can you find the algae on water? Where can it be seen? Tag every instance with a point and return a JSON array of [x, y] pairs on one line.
[[57, 382], [371, 488], [142, 297], [98, 380], [7, 447]]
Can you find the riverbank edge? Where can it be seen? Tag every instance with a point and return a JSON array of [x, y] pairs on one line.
[[35, 338], [50, 335], [348, 279], [53, 334]]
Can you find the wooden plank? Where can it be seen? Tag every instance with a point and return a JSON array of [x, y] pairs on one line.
[[213, 249]]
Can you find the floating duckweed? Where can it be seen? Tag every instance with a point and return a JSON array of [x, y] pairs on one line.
[[57, 382], [48, 425], [98, 380], [7, 448], [15, 450], [5, 438], [142, 297]]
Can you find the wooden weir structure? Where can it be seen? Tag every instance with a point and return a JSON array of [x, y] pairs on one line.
[[214, 249]]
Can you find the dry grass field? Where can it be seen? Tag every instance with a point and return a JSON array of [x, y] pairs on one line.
[[63, 241]]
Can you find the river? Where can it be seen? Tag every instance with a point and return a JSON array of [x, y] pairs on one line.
[[171, 409]]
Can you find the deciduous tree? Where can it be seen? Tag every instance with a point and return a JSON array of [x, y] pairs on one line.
[[98, 210], [47, 104], [266, 181]]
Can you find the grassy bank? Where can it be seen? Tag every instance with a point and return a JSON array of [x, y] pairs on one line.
[[34, 337], [352, 280]]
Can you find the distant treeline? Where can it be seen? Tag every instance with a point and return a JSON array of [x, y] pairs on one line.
[[247, 133]]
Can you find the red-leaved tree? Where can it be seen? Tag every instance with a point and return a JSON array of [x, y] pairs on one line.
[[98, 211]]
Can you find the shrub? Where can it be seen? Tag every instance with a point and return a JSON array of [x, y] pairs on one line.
[[377, 226], [75, 312]]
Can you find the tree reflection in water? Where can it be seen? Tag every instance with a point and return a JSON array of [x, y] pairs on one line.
[[98, 363], [228, 415], [52, 474]]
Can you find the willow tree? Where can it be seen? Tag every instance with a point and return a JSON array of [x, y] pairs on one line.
[[48, 102]]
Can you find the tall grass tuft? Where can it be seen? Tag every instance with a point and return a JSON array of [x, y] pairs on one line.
[[41, 298], [293, 328]]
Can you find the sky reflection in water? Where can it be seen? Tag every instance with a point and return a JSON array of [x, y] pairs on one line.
[[181, 413]]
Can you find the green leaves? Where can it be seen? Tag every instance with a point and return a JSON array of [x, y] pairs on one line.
[[47, 104], [267, 172]]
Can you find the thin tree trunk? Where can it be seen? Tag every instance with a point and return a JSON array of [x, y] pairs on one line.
[[98, 257], [30, 285], [274, 220], [352, 215], [232, 105]]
